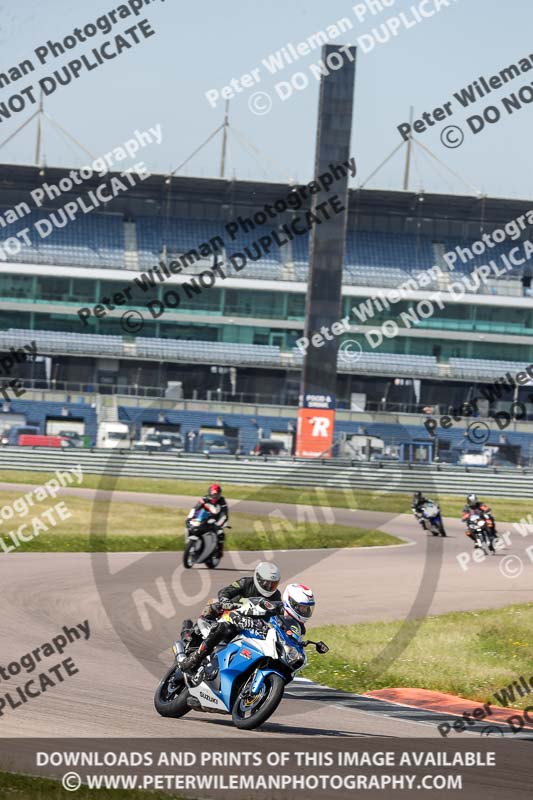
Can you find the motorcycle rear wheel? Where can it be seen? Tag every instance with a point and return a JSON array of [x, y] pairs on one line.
[[170, 699], [260, 707]]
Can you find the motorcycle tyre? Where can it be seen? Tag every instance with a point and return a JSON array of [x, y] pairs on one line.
[[265, 711], [171, 708]]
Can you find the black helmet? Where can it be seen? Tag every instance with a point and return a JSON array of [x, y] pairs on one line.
[[418, 497]]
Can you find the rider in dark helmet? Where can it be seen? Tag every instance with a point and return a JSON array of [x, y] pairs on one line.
[[473, 504], [417, 505], [264, 584], [215, 503]]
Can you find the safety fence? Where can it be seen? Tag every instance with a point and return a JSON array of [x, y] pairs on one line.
[[333, 473]]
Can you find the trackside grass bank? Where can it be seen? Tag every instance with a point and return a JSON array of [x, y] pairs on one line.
[[471, 654], [20, 787], [139, 528], [510, 510]]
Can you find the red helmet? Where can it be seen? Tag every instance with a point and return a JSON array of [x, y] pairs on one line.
[[215, 491]]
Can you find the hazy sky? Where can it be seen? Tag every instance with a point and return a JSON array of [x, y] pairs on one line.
[[203, 45]]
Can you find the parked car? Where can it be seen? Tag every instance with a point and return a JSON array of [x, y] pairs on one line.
[[12, 435], [215, 444], [167, 441], [146, 447], [73, 437], [161, 442], [269, 447]]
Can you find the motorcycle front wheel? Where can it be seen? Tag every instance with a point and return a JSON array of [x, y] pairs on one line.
[[250, 711], [170, 699], [189, 554]]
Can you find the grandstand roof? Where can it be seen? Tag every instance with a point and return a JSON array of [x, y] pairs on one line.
[[206, 196]]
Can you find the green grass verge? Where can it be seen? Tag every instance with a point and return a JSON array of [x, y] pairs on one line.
[[508, 509], [138, 527], [471, 654], [20, 787]]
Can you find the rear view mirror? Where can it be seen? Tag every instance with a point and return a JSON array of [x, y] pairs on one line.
[[322, 648]]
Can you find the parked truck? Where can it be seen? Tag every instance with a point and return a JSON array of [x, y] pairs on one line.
[[42, 440], [113, 434]]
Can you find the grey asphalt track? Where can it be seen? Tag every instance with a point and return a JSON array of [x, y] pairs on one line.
[[112, 693]]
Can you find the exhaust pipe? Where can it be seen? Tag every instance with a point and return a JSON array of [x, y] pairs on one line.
[[177, 649]]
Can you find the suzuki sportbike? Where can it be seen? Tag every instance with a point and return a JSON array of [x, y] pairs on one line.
[[245, 678], [201, 540], [432, 519]]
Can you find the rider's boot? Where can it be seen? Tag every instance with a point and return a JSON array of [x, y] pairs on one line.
[[192, 662]]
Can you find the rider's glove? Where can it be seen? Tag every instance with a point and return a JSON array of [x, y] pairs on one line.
[[246, 623], [277, 608], [228, 605]]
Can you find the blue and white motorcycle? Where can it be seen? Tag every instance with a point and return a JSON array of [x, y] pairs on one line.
[[245, 678], [432, 519]]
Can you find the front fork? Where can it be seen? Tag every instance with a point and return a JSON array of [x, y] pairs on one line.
[[258, 679]]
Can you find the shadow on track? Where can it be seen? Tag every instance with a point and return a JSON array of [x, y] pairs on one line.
[[289, 730]]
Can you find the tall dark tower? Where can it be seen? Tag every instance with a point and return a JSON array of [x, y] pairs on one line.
[[324, 306]]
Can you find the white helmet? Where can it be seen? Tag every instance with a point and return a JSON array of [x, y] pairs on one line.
[[266, 578], [298, 601]]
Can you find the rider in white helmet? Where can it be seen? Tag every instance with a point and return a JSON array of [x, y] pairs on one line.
[[298, 603]]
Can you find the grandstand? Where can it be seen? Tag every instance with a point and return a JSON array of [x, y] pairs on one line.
[[236, 342]]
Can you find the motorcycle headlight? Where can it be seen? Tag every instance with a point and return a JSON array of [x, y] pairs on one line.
[[292, 654]]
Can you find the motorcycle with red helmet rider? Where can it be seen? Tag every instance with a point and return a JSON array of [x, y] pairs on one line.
[[204, 528]]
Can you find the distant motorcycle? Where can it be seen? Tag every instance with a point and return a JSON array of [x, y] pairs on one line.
[[245, 678], [432, 519], [201, 541], [481, 532]]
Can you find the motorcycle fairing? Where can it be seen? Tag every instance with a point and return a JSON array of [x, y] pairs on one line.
[[232, 663]]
